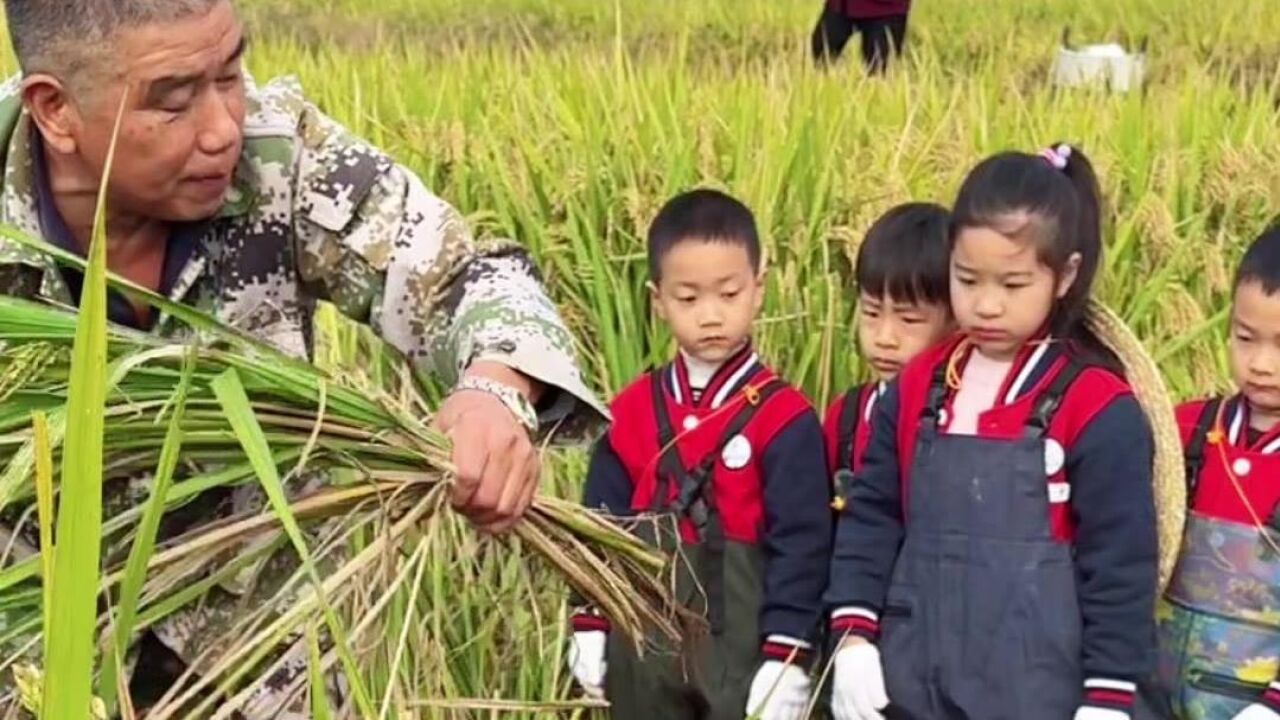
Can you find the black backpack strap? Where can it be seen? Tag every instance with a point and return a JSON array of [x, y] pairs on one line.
[[697, 501], [697, 482], [847, 429], [1049, 402], [1194, 457], [670, 468], [937, 397]]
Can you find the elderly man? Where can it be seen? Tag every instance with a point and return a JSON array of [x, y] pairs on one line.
[[250, 203]]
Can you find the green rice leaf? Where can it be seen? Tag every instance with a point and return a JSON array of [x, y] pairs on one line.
[[44, 507], [315, 672], [71, 615], [144, 541], [235, 404]]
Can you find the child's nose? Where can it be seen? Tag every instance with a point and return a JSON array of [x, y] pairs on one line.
[[886, 336], [988, 306]]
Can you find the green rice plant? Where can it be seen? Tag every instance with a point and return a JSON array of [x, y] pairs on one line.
[[240, 407], [70, 614]]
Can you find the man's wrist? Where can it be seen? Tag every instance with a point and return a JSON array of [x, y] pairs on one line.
[[510, 395], [490, 370]]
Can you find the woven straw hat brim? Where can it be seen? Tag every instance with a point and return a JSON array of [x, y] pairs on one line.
[[1168, 473]]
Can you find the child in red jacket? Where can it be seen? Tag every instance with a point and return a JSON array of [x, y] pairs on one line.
[[996, 558], [1220, 620], [717, 441], [883, 24], [903, 310]]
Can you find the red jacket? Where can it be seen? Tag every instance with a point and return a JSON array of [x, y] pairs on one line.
[[1232, 464], [1091, 393], [771, 485], [1100, 498], [850, 457], [869, 9]]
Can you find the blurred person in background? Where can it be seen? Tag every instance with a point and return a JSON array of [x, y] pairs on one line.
[[883, 24]]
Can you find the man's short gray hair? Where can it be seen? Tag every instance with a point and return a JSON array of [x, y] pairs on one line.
[[62, 37]]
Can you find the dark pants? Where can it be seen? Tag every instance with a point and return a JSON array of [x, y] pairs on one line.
[[881, 38], [709, 678]]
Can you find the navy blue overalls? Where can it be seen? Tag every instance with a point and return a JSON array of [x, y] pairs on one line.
[[981, 619]]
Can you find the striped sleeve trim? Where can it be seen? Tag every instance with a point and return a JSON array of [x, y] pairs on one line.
[[859, 621], [587, 622], [1271, 697], [1109, 693], [785, 649]]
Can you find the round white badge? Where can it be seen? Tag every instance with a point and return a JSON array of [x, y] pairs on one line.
[[1242, 466], [690, 422], [943, 417], [737, 453], [1055, 458]]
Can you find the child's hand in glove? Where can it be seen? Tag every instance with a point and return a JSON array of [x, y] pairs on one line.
[[587, 661], [779, 692], [858, 682]]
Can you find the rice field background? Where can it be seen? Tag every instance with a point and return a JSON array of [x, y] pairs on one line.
[[566, 123]]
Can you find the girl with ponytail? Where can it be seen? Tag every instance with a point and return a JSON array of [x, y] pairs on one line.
[[997, 554]]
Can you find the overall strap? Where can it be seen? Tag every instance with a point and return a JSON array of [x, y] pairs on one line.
[[1194, 458], [937, 397], [669, 465], [697, 502], [696, 484], [847, 428], [1049, 401]]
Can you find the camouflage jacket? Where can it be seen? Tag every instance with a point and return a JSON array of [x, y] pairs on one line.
[[314, 214]]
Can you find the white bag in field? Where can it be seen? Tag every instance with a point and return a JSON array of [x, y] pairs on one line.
[[1107, 66]]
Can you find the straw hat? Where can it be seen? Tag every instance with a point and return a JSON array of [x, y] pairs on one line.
[[1168, 473]]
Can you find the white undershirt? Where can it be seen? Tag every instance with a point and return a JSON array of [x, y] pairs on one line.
[[700, 373], [979, 386]]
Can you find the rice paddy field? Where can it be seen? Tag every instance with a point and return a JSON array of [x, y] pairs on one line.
[[566, 123]]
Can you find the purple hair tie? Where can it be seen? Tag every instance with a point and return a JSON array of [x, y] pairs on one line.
[[1057, 157]]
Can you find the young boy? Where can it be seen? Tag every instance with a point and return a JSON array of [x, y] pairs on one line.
[[717, 440], [1220, 620], [903, 309]]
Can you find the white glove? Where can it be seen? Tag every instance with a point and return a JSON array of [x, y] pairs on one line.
[[587, 661], [1089, 712], [779, 692], [857, 691], [1257, 712]]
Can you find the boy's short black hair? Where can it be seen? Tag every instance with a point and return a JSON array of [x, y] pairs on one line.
[[707, 215], [906, 255], [1261, 263]]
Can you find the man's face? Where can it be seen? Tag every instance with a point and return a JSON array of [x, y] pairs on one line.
[[181, 133]]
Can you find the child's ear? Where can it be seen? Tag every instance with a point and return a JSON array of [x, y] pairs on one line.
[[758, 301], [1069, 274], [655, 300]]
